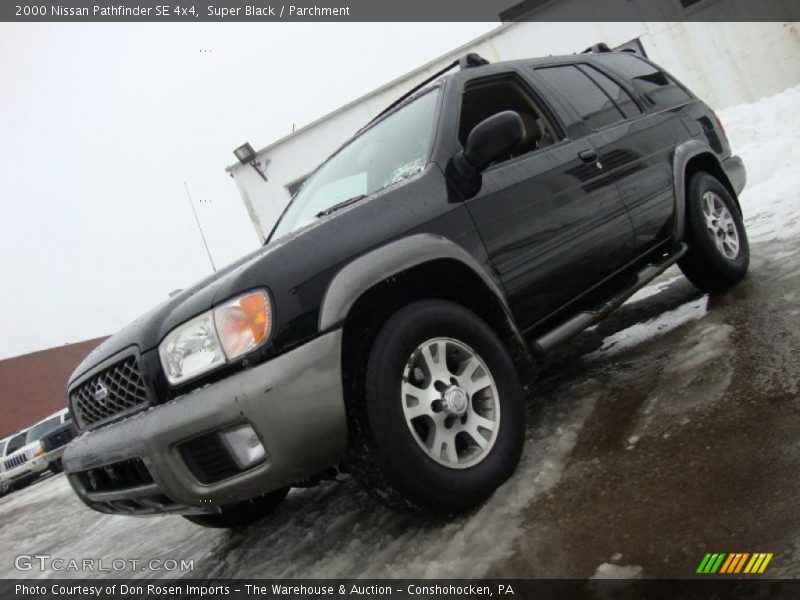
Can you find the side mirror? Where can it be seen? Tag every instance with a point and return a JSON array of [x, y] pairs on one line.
[[492, 138]]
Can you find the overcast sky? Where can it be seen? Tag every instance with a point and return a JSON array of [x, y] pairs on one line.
[[101, 124]]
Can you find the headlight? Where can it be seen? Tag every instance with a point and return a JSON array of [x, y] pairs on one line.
[[209, 340]]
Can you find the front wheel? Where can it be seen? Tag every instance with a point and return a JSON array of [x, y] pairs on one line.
[[440, 420], [719, 253], [243, 513]]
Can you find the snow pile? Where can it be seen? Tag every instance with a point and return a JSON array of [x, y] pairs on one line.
[[765, 134]]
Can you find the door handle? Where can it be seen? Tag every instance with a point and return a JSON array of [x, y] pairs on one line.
[[588, 155]]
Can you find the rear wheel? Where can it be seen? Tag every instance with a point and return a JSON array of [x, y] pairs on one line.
[[439, 420], [719, 254], [242, 514]]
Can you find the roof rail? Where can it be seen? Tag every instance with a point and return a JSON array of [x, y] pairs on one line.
[[465, 62], [597, 49]]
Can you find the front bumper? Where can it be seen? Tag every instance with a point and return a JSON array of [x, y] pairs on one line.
[[28, 470], [294, 402]]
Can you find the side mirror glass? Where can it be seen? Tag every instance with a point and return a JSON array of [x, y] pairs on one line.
[[493, 138]]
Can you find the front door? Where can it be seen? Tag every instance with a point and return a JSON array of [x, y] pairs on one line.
[[552, 223]]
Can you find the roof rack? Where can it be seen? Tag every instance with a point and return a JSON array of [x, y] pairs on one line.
[[597, 49], [472, 60], [467, 61]]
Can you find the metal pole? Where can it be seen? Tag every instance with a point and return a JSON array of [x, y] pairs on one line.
[[197, 220]]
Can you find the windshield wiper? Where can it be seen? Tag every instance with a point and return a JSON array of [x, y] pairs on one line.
[[341, 204]]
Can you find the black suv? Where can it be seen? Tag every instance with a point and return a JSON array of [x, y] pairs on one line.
[[490, 214]]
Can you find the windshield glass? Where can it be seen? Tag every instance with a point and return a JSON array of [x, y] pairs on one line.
[[37, 431], [15, 443], [388, 152]]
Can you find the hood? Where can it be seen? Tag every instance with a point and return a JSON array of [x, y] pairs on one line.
[[295, 269], [147, 331]]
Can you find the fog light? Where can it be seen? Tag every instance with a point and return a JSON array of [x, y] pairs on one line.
[[245, 447]]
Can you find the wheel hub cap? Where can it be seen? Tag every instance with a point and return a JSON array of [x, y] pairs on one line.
[[720, 225], [455, 401], [450, 403]]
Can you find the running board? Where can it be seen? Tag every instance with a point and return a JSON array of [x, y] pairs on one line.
[[582, 320]]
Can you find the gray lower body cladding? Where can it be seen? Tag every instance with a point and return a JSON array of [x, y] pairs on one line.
[[737, 175], [293, 402]]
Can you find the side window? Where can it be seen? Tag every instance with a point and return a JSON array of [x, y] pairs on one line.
[[486, 97], [657, 86], [585, 96], [614, 91]]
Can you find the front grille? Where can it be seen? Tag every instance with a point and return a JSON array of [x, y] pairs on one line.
[[117, 476], [114, 391], [208, 459], [124, 487], [16, 461]]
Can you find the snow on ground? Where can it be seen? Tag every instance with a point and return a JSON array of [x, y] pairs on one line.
[[639, 332], [610, 571], [335, 530]]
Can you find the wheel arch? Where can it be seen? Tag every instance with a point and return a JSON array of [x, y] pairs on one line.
[[690, 158], [420, 266]]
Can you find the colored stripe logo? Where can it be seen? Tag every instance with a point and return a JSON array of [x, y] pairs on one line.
[[734, 562]]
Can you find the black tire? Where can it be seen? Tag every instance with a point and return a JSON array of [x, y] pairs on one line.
[[384, 456], [242, 514], [705, 265], [56, 466]]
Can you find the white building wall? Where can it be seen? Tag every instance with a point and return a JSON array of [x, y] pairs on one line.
[[724, 63]]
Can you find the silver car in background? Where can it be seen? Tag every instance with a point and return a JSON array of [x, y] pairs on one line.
[[25, 458], [3, 483]]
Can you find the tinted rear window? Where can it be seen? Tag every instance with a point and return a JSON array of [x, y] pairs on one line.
[[653, 83]]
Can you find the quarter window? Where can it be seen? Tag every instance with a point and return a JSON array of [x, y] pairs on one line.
[[613, 90], [657, 86], [585, 96]]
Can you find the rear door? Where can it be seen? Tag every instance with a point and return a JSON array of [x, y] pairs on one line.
[[629, 143], [647, 189], [552, 224]]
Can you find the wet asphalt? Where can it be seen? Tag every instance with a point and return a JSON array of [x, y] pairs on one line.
[[694, 444]]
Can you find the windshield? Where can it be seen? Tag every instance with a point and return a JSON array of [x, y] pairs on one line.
[[37, 431], [390, 151], [15, 443]]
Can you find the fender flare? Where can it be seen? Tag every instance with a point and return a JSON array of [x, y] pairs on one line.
[[680, 159], [378, 264]]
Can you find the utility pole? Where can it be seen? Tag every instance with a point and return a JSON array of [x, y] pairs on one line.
[[197, 220]]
